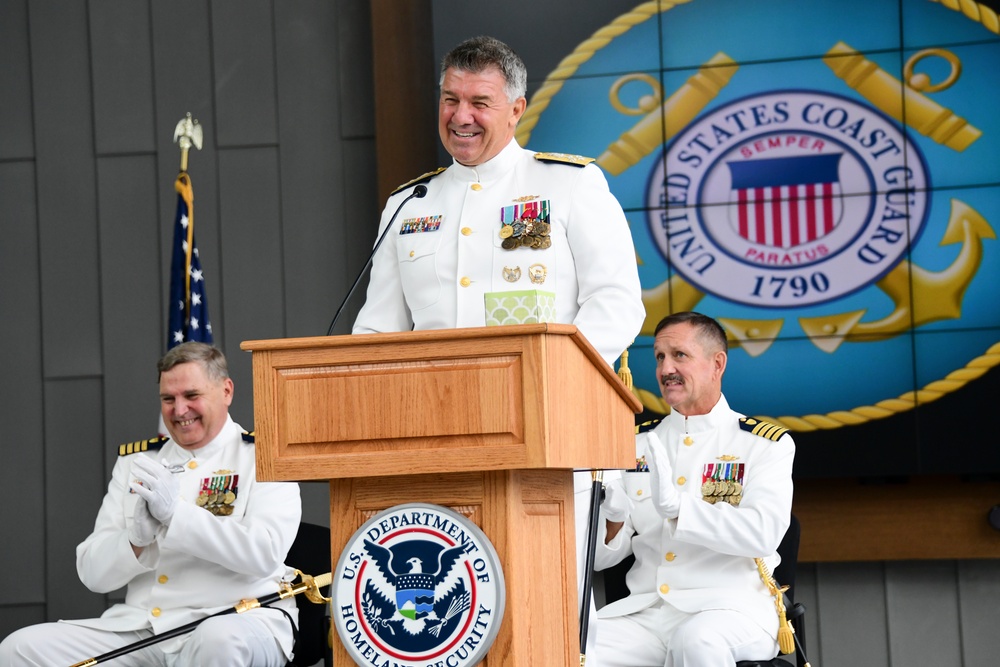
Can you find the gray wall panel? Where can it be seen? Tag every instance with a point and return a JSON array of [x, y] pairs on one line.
[[130, 250], [978, 592], [60, 59], [922, 600], [852, 615], [12, 618], [315, 502], [354, 44], [312, 184], [74, 485], [21, 500], [243, 41], [360, 227], [123, 70], [251, 259], [15, 81]]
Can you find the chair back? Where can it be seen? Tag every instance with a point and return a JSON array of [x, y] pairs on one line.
[[310, 553]]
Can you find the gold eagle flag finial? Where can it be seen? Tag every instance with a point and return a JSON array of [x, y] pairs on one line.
[[187, 133]]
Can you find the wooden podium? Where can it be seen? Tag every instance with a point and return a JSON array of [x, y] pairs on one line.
[[489, 422]]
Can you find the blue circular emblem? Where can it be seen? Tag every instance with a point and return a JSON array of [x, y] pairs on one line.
[[787, 199], [828, 193], [418, 585]]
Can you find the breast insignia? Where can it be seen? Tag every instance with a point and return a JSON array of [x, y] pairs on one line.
[[152, 444], [762, 428], [564, 158], [418, 180]]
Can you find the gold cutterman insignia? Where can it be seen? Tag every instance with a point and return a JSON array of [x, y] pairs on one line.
[[537, 273]]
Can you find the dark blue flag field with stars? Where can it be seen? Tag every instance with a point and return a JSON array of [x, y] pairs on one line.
[[188, 306]]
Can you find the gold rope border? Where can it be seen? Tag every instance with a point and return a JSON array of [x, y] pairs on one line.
[[908, 401], [859, 415], [975, 11], [581, 54]]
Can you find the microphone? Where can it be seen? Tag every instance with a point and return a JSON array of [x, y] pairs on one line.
[[418, 192]]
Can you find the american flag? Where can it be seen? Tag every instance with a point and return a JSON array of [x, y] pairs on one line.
[[785, 202], [188, 307]]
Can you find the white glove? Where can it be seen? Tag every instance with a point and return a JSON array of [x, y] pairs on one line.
[[158, 487], [142, 532], [666, 499], [617, 505]]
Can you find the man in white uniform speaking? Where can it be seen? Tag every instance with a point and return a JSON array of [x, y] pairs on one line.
[[703, 513], [189, 531], [502, 218]]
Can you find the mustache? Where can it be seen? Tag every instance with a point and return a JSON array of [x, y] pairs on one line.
[[671, 377]]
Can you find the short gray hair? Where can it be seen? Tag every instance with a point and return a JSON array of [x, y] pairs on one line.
[[210, 358], [482, 53]]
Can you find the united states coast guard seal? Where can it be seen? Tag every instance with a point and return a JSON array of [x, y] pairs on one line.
[[418, 585], [820, 200]]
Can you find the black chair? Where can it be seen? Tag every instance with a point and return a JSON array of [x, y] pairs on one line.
[[784, 574], [310, 553]]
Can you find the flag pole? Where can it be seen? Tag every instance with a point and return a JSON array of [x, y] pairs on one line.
[[309, 585]]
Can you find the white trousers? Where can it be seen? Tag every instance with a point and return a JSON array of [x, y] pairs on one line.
[[221, 641], [662, 636]]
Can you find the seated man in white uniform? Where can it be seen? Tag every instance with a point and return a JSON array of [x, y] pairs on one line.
[[189, 531], [703, 514]]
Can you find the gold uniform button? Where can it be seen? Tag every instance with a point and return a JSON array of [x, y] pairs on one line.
[[466, 231], [156, 612], [412, 253], [477, 187], [664, 589], [192, 464], [163, 578], [638, 492], [682, 480], [465, 281], [670, 556]]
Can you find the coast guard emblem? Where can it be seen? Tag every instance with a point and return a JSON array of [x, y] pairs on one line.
[[418, 585], [827, 194]]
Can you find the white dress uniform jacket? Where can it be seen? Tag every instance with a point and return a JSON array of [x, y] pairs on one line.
[[436, 278], [703, 559], [201, 563]]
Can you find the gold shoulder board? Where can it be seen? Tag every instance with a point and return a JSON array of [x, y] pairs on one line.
[[762, 428], [249, 436], [564, 158], [141, 446], [646, 426], [419, 179]]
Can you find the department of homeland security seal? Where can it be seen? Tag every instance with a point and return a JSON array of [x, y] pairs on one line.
[[418, 585]]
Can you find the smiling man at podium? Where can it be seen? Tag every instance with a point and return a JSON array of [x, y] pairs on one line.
[[503, 225]]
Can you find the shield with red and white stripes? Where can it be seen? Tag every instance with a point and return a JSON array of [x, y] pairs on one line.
[[788, 201]]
